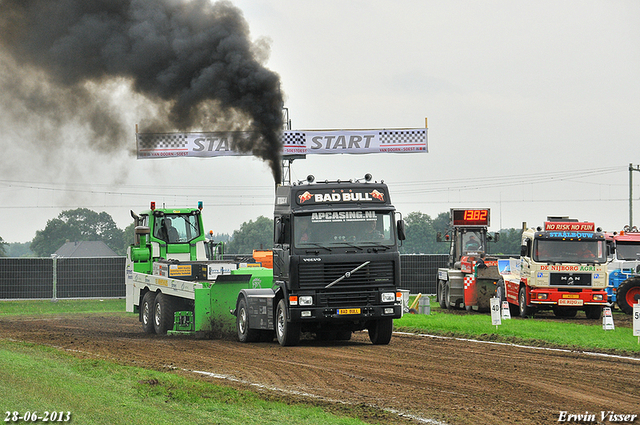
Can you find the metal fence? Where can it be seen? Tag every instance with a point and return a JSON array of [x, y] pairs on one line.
[[104, 277], [52, 278], [419, 273]]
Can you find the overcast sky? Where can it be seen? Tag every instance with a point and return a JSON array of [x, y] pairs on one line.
[[533, 110]]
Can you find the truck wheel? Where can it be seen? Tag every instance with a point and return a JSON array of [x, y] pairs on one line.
[[146, 309], [501, 292], [628, 294], [593, 312], [447, 293], [287, 333], [245, 334], [525, 311], [439, 290], [163, 313], [380, 331]]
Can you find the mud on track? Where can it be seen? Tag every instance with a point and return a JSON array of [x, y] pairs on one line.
[[440, 379]]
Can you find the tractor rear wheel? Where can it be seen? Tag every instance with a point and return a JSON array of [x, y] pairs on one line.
[[628, 294]]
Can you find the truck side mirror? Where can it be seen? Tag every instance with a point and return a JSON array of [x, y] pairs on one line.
[[523, 251], [439, 236], [278, 231], [401, 233], [496, 237]]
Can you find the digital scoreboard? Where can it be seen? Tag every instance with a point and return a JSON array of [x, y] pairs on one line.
[[470, 217]]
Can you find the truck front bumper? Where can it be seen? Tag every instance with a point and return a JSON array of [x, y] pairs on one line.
[[332, 314], [544, 296]]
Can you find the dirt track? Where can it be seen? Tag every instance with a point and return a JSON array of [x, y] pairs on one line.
[[439, 379]]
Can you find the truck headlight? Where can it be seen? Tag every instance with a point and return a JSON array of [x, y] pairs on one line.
[[597, 297], [388, 297], [305, 300]]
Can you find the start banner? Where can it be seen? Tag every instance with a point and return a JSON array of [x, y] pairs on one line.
[[171, 145]]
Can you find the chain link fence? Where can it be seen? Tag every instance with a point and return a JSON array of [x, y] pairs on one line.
[[104, 277]]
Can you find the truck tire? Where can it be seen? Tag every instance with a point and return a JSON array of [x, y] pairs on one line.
[[146, 312], [525, 311], [593, 312], [245, 334], [628, 294], [287, 333], [380, 331], [501, 292], [439, 290], [446, 296], [163, 313]]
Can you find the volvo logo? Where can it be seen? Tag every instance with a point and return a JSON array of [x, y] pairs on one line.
[[312, 259]]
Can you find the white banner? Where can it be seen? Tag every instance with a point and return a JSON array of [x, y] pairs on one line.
[[171, 145]]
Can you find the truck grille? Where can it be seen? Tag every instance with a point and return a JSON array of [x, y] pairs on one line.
[[321, 274], [570, 279], [348, 299]]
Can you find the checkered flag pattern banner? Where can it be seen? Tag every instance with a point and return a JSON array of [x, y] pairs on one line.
[[162, 141], [291, 138], [400, 137], [163, 145]]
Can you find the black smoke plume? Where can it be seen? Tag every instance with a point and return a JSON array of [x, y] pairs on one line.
[[192, 60]]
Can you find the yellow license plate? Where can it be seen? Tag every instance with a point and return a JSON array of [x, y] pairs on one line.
[[570, 296], [569, 302], [348, 311]]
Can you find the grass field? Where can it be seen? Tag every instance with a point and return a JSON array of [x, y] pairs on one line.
[[583, 336], [39, 378]]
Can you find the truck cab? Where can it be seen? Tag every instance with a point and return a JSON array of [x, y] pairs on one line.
[[563, 267], [336, 265], [624, 268]]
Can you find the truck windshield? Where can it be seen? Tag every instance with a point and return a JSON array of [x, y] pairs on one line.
[[629, 251], [177, 228], [563, 251], [472, 241], [343, 227]]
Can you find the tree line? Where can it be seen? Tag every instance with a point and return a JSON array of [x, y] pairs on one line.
[[83, 224]]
